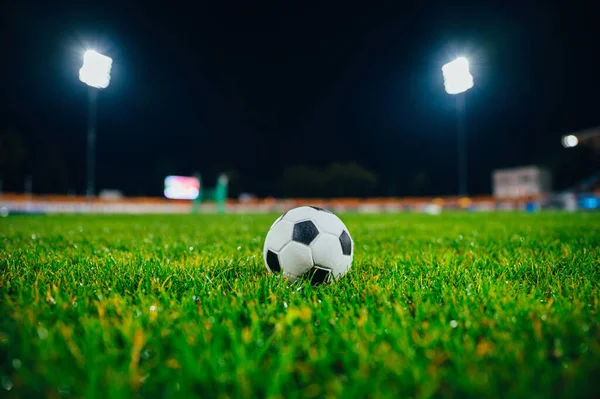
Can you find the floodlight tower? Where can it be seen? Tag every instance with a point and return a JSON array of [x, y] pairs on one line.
[[95, 73], [457, 80]]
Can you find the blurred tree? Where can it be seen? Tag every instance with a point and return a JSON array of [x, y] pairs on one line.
[[50, 172], [14, 160], [234, 188], [349, 180], [420, 184], [337, 180], [302, 181], [44, 162]]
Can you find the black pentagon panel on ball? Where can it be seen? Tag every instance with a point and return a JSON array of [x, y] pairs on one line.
[[319, 209], [319, 275], [346, 243], [305, 232], [273, 261]]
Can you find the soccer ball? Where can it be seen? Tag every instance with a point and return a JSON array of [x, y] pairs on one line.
[[308, 241]]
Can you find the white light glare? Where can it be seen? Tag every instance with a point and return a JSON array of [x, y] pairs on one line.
[[457, 77], [570, 141], [96, 68]]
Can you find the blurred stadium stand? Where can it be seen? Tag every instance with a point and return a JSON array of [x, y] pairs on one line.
[[21, 203]]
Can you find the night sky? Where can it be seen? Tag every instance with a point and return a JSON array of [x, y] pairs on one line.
[[258, 86]]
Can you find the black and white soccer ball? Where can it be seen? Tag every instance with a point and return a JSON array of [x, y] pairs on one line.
[[309, 241]]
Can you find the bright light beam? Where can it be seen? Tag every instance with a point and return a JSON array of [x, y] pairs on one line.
[[95, 71], [570, 141], [457, 77]]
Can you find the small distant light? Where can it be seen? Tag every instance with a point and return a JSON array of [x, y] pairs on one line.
[[96, 68], [590, 203], [570, 141], [457, 77]]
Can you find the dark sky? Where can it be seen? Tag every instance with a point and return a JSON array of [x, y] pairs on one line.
[[258, 86]]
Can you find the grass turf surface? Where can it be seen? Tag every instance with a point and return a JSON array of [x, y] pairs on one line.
[[457, 305]]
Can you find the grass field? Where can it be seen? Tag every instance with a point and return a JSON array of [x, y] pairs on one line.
[[168, 306]]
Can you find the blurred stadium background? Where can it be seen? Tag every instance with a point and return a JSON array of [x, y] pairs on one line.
[[339, 187]]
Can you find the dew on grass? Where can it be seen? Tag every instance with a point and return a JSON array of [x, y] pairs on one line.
[[64, 390], [7, 384], [42, 332]]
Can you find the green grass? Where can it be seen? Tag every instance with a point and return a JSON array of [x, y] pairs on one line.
[[460, 305]]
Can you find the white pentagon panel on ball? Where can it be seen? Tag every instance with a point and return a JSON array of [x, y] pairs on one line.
[[279, 235], [295, 260], [327, 252]]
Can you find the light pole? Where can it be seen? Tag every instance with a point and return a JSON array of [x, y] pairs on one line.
[[457, 80], [95, 73]]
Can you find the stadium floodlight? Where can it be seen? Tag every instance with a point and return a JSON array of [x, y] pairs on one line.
[[457, 80], [96, 68], [95, 73], [457, 77], [570, 141]]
